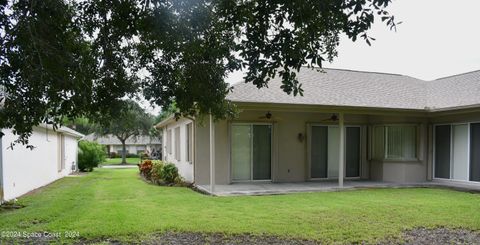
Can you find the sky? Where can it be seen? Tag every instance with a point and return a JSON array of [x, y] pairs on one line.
[[437, 38]]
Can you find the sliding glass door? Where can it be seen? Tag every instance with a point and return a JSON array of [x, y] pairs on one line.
[[324, 152], [452, 157], [251, 151]]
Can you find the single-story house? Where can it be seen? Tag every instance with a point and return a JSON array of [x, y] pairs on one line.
[[348, 125], [22, 170], [134, 145]]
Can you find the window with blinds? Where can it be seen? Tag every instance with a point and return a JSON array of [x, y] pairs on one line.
[[401, 142], [396, 142]]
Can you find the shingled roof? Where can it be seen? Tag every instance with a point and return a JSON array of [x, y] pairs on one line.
[[336, 87]]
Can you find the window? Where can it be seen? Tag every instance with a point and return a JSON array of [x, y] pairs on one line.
[[169, 141], [177, 143], [188, 142], [401, 142], [398, 142]]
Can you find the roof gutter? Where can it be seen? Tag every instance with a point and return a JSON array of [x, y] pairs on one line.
[[329, 108]]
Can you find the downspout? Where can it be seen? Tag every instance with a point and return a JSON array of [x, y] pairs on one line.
[[1, 170]]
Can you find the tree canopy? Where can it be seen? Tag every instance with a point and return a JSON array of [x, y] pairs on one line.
[[65, 58]]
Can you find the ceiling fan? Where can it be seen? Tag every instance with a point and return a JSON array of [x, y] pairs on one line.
[[333, 118], [269, 116]]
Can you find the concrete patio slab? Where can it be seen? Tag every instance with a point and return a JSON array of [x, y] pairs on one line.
[[269, 188]]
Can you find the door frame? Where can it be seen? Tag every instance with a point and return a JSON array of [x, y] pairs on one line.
[[251, 163], [309, 149]]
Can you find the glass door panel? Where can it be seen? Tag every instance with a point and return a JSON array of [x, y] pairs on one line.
[[442, 151], [262, 152], [318, 152], [460, 152], [241, 150], [352, 150], [333, 151]]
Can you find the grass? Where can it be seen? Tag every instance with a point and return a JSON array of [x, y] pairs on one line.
[[117, 203], [115, 161]]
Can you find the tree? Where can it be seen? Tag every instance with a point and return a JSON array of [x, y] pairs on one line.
[[82, 125], [165, 112], [62, 58], [132, 121]]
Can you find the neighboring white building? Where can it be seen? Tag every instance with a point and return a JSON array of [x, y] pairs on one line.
[[178, 145], [22, 170], [134, 145]]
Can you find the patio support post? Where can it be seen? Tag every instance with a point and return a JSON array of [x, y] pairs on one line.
[[212, 155], [341, 151]]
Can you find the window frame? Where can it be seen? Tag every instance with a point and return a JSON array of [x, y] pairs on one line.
[[169, 141], [384, 154], [177, 152], [189, 142]]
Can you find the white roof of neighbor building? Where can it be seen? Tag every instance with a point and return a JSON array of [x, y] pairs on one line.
[[112, 140], [336, 87], [62, 129]]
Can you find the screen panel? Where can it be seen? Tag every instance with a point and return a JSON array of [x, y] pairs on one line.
[[262, 152], [475, 152], [352, 158], [318, 152], [442, 151], [241, 152]]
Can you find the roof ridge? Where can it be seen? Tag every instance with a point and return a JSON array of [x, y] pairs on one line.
[[459, 74], [360, 71]]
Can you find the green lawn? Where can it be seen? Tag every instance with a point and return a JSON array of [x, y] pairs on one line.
[[114, 161], [117, 203]]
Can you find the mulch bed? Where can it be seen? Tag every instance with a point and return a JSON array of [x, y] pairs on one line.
[[415, 236]]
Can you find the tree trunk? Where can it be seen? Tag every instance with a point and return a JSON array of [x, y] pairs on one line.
[[124, 152]]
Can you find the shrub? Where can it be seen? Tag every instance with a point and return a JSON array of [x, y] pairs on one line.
[[114, 155], [145, 168], [170, 173], [90, 154], [157, 172], [144, 155], [131, 155], [160, 173]]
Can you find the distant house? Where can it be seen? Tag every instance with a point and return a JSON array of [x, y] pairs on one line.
[[347, 125], [134, 145], [22, 170]]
